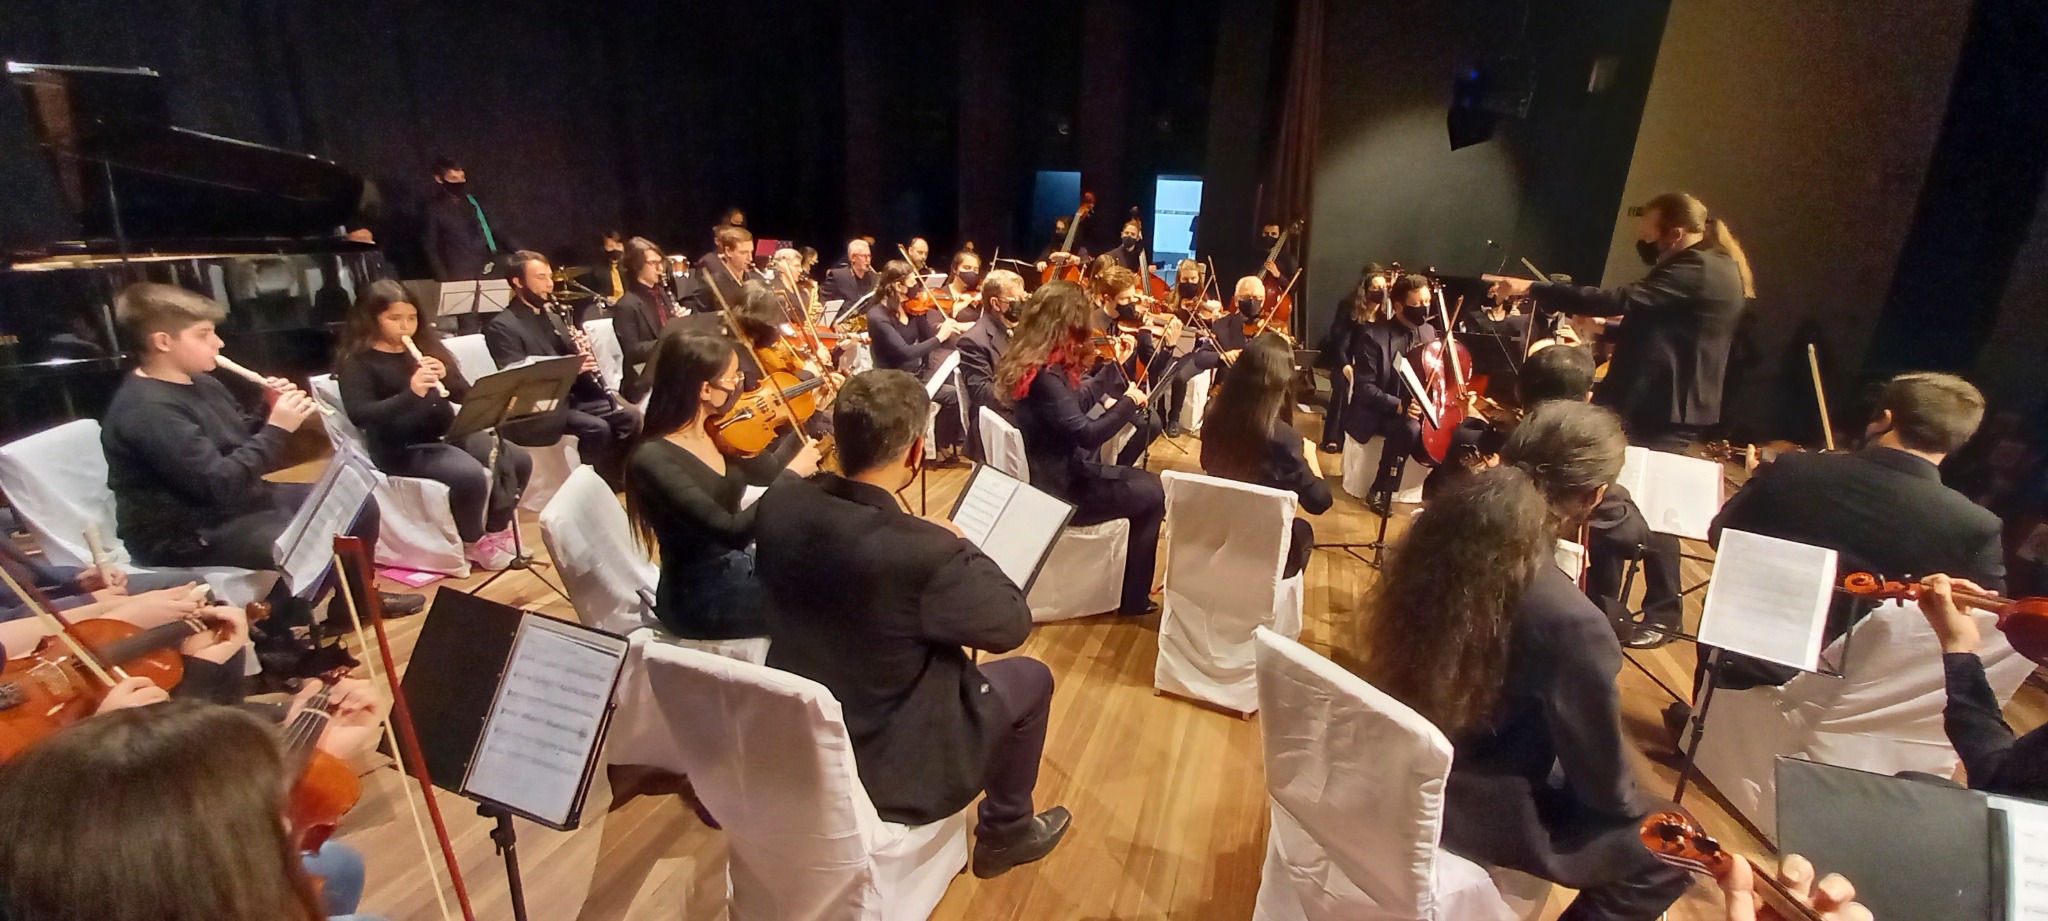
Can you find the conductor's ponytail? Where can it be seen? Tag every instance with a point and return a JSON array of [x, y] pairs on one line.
[[1682, 210], [1720, 237]]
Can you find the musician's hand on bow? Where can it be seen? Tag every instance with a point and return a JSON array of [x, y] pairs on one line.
[[1954, 626], [1136, 394], [218, 646], [806, 461], [1414, 409], [1231, 356], [1505, 287], [1833, 898]]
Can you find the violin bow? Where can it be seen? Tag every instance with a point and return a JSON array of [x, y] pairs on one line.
[[350, 556], [24, 588], [1827, 428], [740, 338]]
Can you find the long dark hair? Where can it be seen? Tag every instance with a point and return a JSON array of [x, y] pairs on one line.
[[1052, 330], [359, 331], [893, 271], [1255, 394], [1435, 635], [1570, 449], [759, 313], [639, 252], [170, 812], [680, 367]]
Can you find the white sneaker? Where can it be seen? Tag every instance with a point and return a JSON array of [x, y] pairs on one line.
[[491, 551]]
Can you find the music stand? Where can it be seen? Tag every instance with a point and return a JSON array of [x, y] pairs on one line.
[[511, 395], [474, 297], [526, 742]]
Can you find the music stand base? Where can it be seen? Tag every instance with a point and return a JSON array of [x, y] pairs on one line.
[[507, 842], [1377, 545]]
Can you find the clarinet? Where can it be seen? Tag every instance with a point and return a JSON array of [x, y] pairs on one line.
[[558, 317]]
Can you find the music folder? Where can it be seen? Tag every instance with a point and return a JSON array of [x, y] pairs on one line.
[[1913, 849], [511, 706], [1010, 521]]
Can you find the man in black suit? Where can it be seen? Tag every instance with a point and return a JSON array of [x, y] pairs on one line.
[[853, 280], [461, 241], [1670, 353], [1380, 403], [1883, 509], [876, 605], [981, 350], [728, 268], [601, 424]]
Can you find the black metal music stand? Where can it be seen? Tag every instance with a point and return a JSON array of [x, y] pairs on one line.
[[513, 395]]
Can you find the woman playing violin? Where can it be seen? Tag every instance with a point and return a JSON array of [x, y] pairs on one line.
[[1475, 627], [683, 494], [907, 339], [961, 296]]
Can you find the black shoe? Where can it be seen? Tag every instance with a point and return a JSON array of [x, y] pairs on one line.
[[1331, 447], [1151, 607], [1380, 502], [398, 604], [1047, 828], [1675, 718], [1648, 637], [1173, 428]]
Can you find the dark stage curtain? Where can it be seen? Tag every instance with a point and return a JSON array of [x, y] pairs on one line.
[[1291, 175]]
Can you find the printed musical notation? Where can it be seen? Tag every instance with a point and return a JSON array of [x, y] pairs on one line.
[[544, 728]]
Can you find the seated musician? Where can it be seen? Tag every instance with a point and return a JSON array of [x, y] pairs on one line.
[[683, 493], [197, 789], [792, 282], [213, 660], [1526, 691], [1055, 254], [1069, 403], [852, 281], [398, 404], [73, 586], [1380, 403], [530, 327], [877, 606], [981, 350], [1219, 336], [186, 465], [640, 314], [919, 251], [963, 286], [905, 341], [1249, 435], [1130, 247], [1337, 352], [732, 266], [1994, 760], [1114, 291]]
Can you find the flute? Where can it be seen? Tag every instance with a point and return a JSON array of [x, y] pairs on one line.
[[227, 364], [416, 356]]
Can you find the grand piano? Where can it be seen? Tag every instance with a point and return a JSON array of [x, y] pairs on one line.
[[256, 228]]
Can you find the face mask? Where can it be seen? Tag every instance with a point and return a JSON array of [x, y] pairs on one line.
[[724, 403], [1648, 251], [1270, 238], [613, 255], [999, 306], [1130, 242], [1127, 312], [1415, 314], [1249, 307], [970, 279], [1190, 288], [456, 188]]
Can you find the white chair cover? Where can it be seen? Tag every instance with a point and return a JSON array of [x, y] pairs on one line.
[[1355, 781], [1115, 445], [768, 754], [416, 527], [611, 357], [1359, 469], [1226, 547], [551, 465], [1883, 715], [1084, 573], [608, 576], [56, 480], [1197, 402]]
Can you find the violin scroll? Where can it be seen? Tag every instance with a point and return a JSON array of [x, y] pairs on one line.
[[1679, 841]]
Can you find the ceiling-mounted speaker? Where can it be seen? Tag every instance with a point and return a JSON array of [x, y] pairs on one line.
[[1485, 93]]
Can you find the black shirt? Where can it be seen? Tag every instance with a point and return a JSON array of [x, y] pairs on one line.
[[1995, 761], [696, 518], [181, 458], [377, 394], [1061, 437], [901, 346], [1376, 387]]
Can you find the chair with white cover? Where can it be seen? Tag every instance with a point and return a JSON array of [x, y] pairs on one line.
[[1196, 404], [1226, 550], [417, 529], [1355, 786], [1358, 468], [1115, 445], [56, 480], [768, 754], [1884, 715], [611, 357], [551, 465], [609, 578], [1083, 575]]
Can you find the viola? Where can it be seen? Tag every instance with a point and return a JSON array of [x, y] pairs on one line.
[[1071, 270], [750, 426], [1677, 839], [2023, 620], [325, 789]]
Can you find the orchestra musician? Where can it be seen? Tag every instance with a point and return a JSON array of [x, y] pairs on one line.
[[1055, 252], [1337, 353], [731, 266], [1670, 353], [910, 342], [1130, 247], [1281, 266], [881, 608], [1248, 435], [962, 290], [981, 351], [529, 327], [793, 284], [641, 313], [1526, 689], [683, 495], [852, 281], [1380, 402], [1994, 760], [1069, 402], [610, 280], [1119, 312], [1219, 337], [920, 251], [404, 407]]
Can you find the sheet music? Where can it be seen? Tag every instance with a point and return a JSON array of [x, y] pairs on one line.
[[1415, 391], [544, 727], [305, 550], [1010, 521], [943, 374], [1769, 599], [2026, 857], [1676, 494]]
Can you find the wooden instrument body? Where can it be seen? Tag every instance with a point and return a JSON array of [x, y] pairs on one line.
[[1445, 387], [750, 426], [1071, 271], [327, 788], [50, 689]]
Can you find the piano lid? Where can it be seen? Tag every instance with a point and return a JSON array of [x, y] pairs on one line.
[[174, 189]]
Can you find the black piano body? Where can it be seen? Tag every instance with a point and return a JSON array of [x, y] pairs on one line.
[[256, 228]]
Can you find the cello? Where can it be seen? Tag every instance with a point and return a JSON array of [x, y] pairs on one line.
[[1070, 270], [1440, 365], [1279, 307]]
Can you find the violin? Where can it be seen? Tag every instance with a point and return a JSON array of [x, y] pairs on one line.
[[61, 683], [325, 788], [1071, 270], [750, 426], [1279, 307], [1677, 839], [2024, 621]]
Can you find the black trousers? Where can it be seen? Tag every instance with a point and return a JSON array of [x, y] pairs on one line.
[[1642, 889], [1333, 418], [1300, 543], [947, 428], [602, 433], [1662, 606], [1146, 427], [1108, 493], [482, 502], [1399, 433], [1186, 368], [1024, 685]]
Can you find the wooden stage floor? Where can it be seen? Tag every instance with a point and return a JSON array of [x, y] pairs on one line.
[[1168, 797]]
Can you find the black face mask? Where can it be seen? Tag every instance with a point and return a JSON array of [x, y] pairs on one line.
[[1131, 242], [997, 305], [1415, 314], [1190, 289], [613, 256], [1249, 307], [1270, 238], [731, 396], [1126, 312], [970, 280], [1648, 251]]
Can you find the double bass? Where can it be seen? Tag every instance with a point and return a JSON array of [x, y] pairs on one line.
[[1279, 306], [1071, 269]]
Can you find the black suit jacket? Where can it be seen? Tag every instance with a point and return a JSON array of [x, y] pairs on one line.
[[981, 351], [840, 285], [1671, 349], [1376, 387], [875, 604], [638, 319], [1061, 439], [520, 332], [455, 241]]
